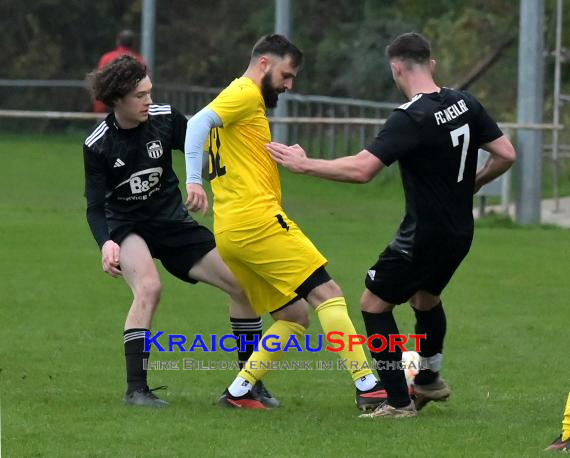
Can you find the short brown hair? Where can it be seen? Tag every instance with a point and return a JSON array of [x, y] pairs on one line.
[[280, 46], [126, 38], [116, 79], [411, 47]]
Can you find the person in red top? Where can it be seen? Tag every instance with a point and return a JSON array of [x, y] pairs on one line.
[[125, 43]]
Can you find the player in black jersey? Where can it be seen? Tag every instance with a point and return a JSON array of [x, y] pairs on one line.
[[135, 212], [435, 138]]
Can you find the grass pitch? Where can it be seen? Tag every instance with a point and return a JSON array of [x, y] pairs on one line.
[[62, 367]]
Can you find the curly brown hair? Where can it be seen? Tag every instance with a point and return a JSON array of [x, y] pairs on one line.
[[116, 79]]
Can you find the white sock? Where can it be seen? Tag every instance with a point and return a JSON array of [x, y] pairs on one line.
[[239, 387], [433, 363], [366, 383]]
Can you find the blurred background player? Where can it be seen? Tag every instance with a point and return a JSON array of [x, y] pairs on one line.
[[135, 212], [562, 442], [276, 264], [125, 45], [435, 138]]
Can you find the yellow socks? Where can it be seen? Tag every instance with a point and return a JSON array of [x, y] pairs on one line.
[[260, 361], [333, 316]]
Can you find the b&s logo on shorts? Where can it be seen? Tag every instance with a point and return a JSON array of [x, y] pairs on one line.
[[154, 149]]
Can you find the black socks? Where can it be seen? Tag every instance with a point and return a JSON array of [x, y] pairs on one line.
[[245, 329], [433, 324], [388, 363], [135, 355]]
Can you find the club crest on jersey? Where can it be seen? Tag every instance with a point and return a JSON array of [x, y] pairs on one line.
[[154, 149]]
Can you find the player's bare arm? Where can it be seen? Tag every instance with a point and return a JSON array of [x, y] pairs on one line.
[[502, 157], [360, 168]]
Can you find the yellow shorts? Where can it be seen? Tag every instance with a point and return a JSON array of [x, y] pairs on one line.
[[270, 260]]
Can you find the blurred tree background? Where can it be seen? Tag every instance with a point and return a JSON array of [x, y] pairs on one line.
[[201, 42]]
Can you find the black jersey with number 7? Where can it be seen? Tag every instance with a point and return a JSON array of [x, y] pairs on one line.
[[435, 139]]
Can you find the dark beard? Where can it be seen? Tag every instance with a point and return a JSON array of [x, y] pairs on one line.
[[270, 95]]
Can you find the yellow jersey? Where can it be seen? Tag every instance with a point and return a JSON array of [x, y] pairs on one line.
[[244, 178]]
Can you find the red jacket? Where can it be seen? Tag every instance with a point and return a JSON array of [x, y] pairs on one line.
[[108, 57]]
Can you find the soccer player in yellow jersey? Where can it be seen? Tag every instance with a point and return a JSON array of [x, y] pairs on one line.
[[562, 442], [276, 264]]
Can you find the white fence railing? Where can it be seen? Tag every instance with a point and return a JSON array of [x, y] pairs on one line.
[[330, 137]]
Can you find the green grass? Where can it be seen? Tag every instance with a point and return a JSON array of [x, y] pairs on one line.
[[62, 368]]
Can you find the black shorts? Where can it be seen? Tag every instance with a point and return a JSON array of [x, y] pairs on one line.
[[317, 278], [396, 277], [178, 245]]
